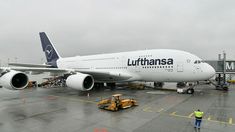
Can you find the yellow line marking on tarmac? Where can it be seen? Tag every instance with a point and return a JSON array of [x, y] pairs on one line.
[[223, 122], [173, 113], [230, 121], [147, 109], [160, 110], [190, 116]]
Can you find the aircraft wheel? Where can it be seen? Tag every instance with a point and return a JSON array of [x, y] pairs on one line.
[[190, 91]]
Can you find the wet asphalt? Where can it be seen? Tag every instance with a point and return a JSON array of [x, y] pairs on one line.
[[67, 110]]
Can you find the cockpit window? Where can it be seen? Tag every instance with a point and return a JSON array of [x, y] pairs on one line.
[[198, 62]]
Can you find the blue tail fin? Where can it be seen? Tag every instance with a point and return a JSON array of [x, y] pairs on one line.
[[49, 50]]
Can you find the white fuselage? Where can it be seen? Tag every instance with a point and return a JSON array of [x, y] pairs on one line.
[[160, 65]]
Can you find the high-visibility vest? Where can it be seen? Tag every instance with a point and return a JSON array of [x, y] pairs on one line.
[[198, 114]]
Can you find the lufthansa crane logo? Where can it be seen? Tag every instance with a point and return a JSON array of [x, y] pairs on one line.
[[49, 51]]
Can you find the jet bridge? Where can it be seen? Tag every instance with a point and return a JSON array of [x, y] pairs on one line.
[[224, 68]]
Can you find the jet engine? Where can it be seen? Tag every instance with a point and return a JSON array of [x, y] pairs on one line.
[[13, 80], [79, 81]]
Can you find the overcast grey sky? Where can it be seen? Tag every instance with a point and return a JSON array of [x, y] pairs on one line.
[[83, 27]]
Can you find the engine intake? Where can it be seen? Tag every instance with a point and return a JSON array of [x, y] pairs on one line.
[[79, 81], [14, 80]]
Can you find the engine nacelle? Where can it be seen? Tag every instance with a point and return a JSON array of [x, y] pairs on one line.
[[14, 80], [79, 81]]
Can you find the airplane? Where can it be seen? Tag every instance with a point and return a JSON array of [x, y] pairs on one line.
[[156, 65]]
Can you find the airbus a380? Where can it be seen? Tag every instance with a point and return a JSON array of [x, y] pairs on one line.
[[158, 65]]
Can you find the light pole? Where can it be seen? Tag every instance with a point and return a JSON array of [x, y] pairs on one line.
[[224, 70]]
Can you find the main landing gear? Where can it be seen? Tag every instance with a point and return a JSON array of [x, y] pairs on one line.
[[184, 87], [158, 84], [112, 86]]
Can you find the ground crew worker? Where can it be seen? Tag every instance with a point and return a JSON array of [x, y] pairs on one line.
[[198, 118]]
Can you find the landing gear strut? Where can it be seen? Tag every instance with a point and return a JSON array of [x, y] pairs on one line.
[[183, 88], [112, 86], [158, 84]]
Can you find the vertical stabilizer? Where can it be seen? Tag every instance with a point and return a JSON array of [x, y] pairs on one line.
[[49, 50]]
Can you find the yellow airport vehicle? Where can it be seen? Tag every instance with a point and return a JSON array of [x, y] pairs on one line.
[[32, 84], [231, 81], [115, 103]]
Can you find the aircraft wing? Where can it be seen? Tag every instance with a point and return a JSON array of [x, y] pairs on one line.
[[29, 65], [36, 69], [98, 75]]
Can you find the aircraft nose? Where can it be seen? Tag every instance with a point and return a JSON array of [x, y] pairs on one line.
[[210, 71]]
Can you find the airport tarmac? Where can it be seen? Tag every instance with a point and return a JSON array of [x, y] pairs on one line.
[[66, 110]]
